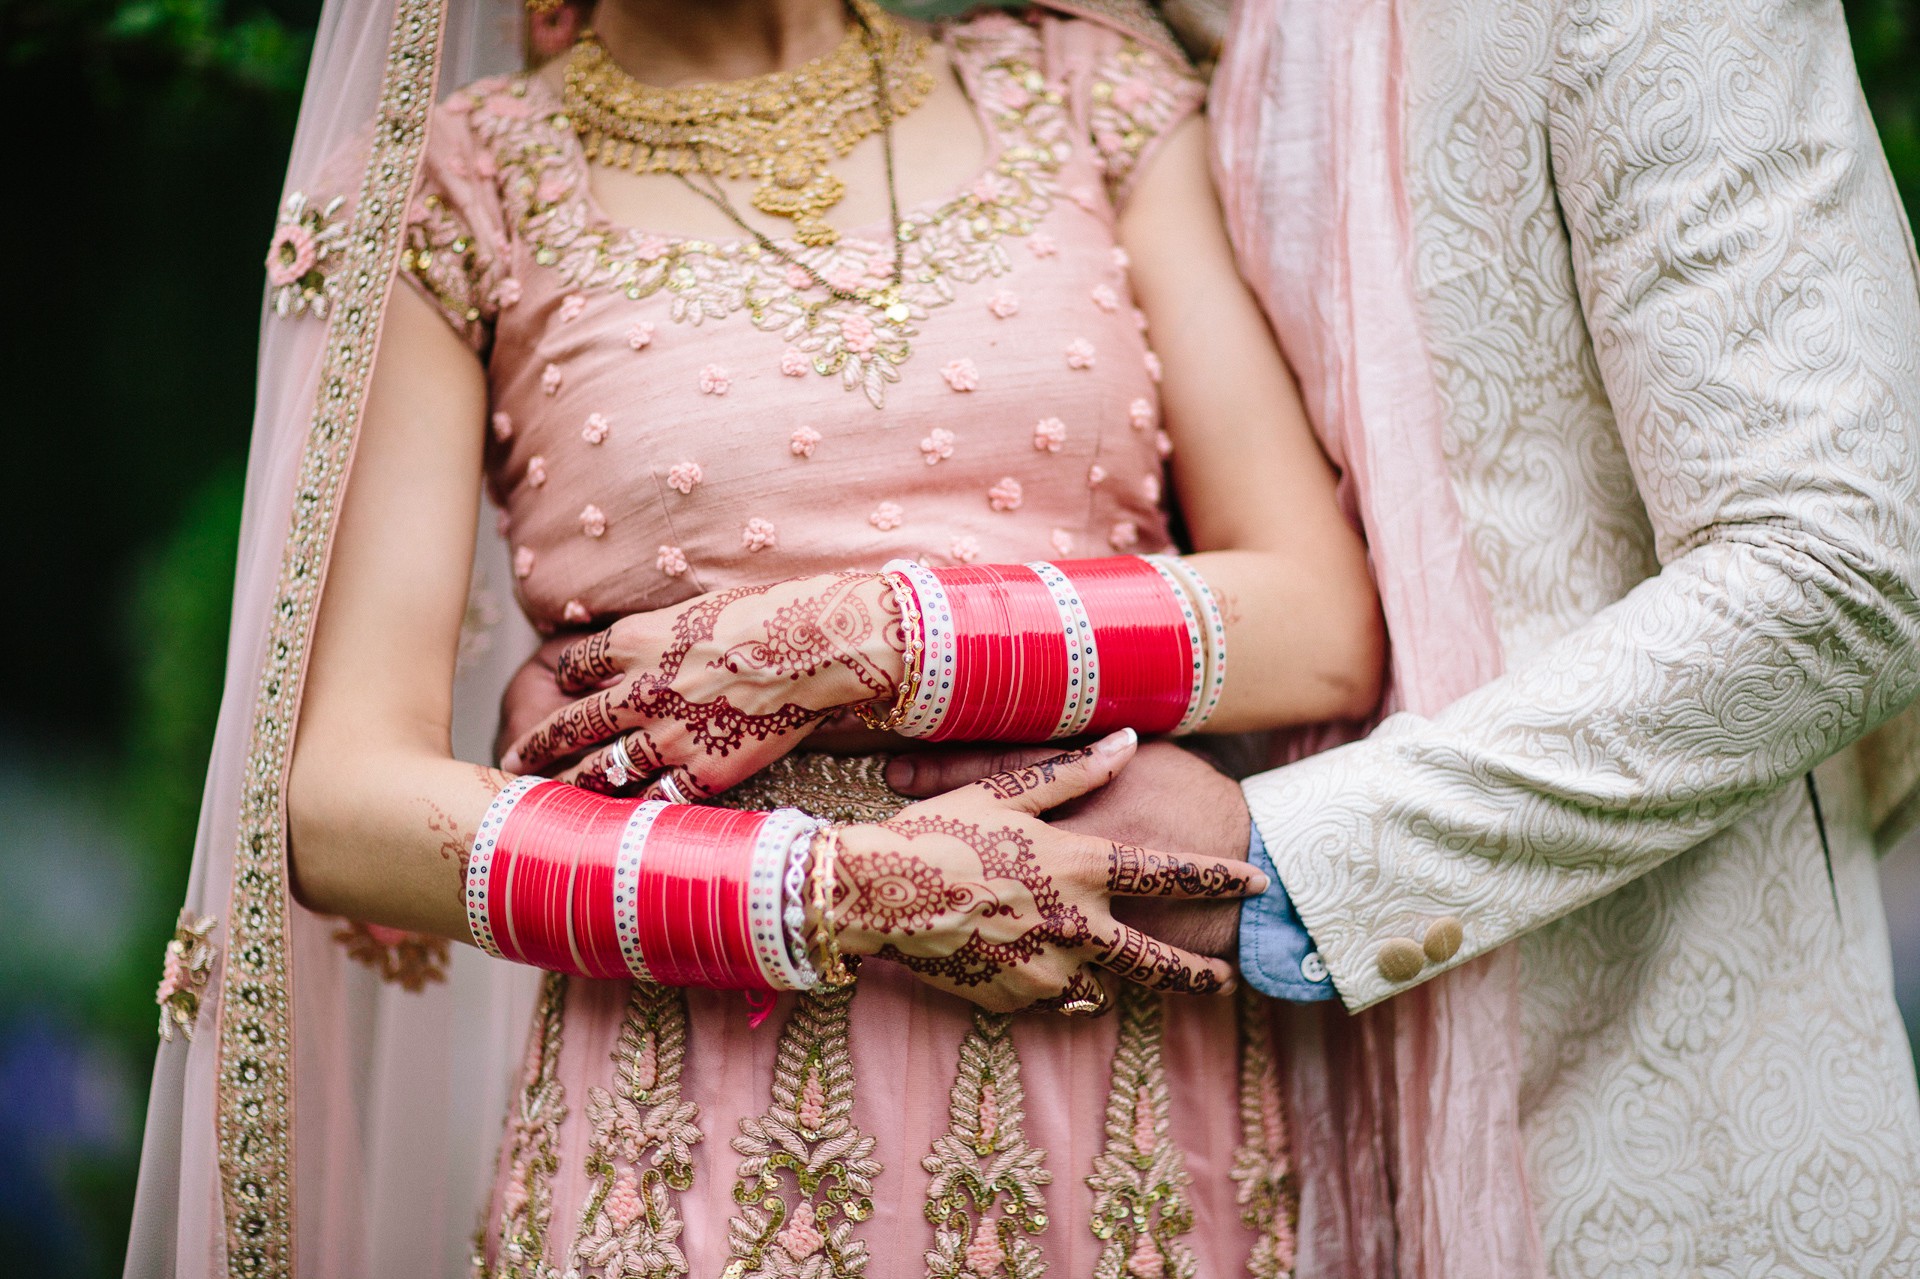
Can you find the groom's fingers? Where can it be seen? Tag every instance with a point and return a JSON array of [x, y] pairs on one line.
[[927, 773]]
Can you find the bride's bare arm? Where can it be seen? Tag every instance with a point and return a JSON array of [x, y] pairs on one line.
[[1303, 620]]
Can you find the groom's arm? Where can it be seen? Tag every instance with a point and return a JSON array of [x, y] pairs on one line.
[[1748, 282]]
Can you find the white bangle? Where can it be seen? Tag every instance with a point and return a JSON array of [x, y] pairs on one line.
[[479, 884]]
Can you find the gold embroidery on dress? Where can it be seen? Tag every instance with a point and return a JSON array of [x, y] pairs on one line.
[[1139, 1181], [1136, 93], [640, 1148], [1268, 1194], [806, 1171], [412, 961], [533, 1140], [183, 979], [982, 1158], [254, 1100]]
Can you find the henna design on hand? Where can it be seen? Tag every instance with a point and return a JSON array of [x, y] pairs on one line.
[[454, 846], [1140, 872], [810, 635], [587, 663], [1136, 957], [1014, 782]]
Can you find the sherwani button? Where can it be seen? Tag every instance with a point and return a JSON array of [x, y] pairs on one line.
[[1443, 939], [1401, 959]]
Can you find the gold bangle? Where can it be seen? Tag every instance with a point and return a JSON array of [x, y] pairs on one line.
[[910, 661], [834, 970]]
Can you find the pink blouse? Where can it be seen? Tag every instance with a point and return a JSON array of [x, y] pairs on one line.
[[675, 416]]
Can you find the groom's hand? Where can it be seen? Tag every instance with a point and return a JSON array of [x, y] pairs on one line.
[[1167, 798]]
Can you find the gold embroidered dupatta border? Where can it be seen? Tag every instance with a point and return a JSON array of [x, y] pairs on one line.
[[254, 1115]]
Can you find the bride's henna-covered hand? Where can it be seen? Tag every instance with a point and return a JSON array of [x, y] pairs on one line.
[[713, 690], [979, 897]]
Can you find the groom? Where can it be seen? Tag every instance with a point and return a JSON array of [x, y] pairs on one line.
[[1608, 312]]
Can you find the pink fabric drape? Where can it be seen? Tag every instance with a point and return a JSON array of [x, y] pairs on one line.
[[1410, 1152]]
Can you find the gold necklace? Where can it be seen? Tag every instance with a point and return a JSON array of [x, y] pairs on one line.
[[783, 128]]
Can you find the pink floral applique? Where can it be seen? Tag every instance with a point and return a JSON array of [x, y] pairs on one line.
[[576, 613], [961, 375], [593, 521], [624, 1204], [650, 248], [306, 245], [1006, 495], [887, 517], [550, 378], [1154, 369], [640, 335], [502, 427], [572, 306], [595, 431], [1080, 354], [794, 362], [506, 293], [509, 106], [1121, 259], [1049, 435], [714, 380], [290, 254], [1061, 541], [847, 279], [1124, 535], [1096, 475], [485, 167], [965, 548], [803, 440], [938, 446], [1131, 94], [1086, 197], [1041, 245], [985, 1256], [856, 331], [670, 560], [800, 1238], [1150, 489], [1163, 444], [684, 477], [1004, 305], [551, 189], [797, 278], [1014, 96], [1140, 415], [1105, 298], [758, 535], [536, 471]]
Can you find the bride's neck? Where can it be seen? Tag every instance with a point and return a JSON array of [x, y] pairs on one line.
[[676, 42]]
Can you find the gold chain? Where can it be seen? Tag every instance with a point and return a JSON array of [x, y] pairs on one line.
[[783, 128]]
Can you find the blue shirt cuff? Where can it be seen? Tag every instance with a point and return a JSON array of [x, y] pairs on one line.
[[1277, 955]]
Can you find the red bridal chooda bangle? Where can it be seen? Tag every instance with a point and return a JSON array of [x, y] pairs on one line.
[[1029, 652]]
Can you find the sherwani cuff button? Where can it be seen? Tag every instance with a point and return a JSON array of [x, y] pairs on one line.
[[1443, 939], [1401, 959]]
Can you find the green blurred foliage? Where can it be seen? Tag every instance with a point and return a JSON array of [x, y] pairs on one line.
[[142, 216]]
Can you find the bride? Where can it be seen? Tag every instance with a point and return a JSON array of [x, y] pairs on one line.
[[783, 333]]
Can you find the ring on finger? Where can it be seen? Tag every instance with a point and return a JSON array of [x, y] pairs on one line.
[[670, 789], [620, 767], [1083, 997]]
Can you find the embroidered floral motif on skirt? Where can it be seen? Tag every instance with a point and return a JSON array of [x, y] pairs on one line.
[[640, 1151], [411, 961], [983, 1162], [806, 1171], [533, 1135], [1268, 1194], [1139, 1180]]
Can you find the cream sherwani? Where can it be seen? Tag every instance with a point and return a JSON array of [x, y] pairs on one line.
[[1667, 316]]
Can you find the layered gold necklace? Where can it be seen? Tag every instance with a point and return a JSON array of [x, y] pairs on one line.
[[783, 128]]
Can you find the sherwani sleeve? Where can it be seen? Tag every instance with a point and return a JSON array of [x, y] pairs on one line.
[[1748, 281]]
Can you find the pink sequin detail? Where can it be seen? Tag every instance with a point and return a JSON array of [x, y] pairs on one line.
[[1004, 305], [670, 560], [523, 563], [1049, 434], [961, 374], [801, 443], [965, 548], [1080, 354], [550, 379], [938, 446], [758, 535], [502, 427], [793, 362], [572, 306], [1006, 495], [1140, 415], [1105, 298], [714, 380], [684, 476], [640, 335], [887, 517], [593, 521], [536, 471], [595, 431]]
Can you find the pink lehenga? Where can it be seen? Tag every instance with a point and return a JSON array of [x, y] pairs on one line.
[[673, 416]]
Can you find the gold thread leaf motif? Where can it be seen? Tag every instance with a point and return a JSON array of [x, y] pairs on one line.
[[532, 1155], [412, 961], [1139, 1181], [309, 241], [1267, 1191]]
